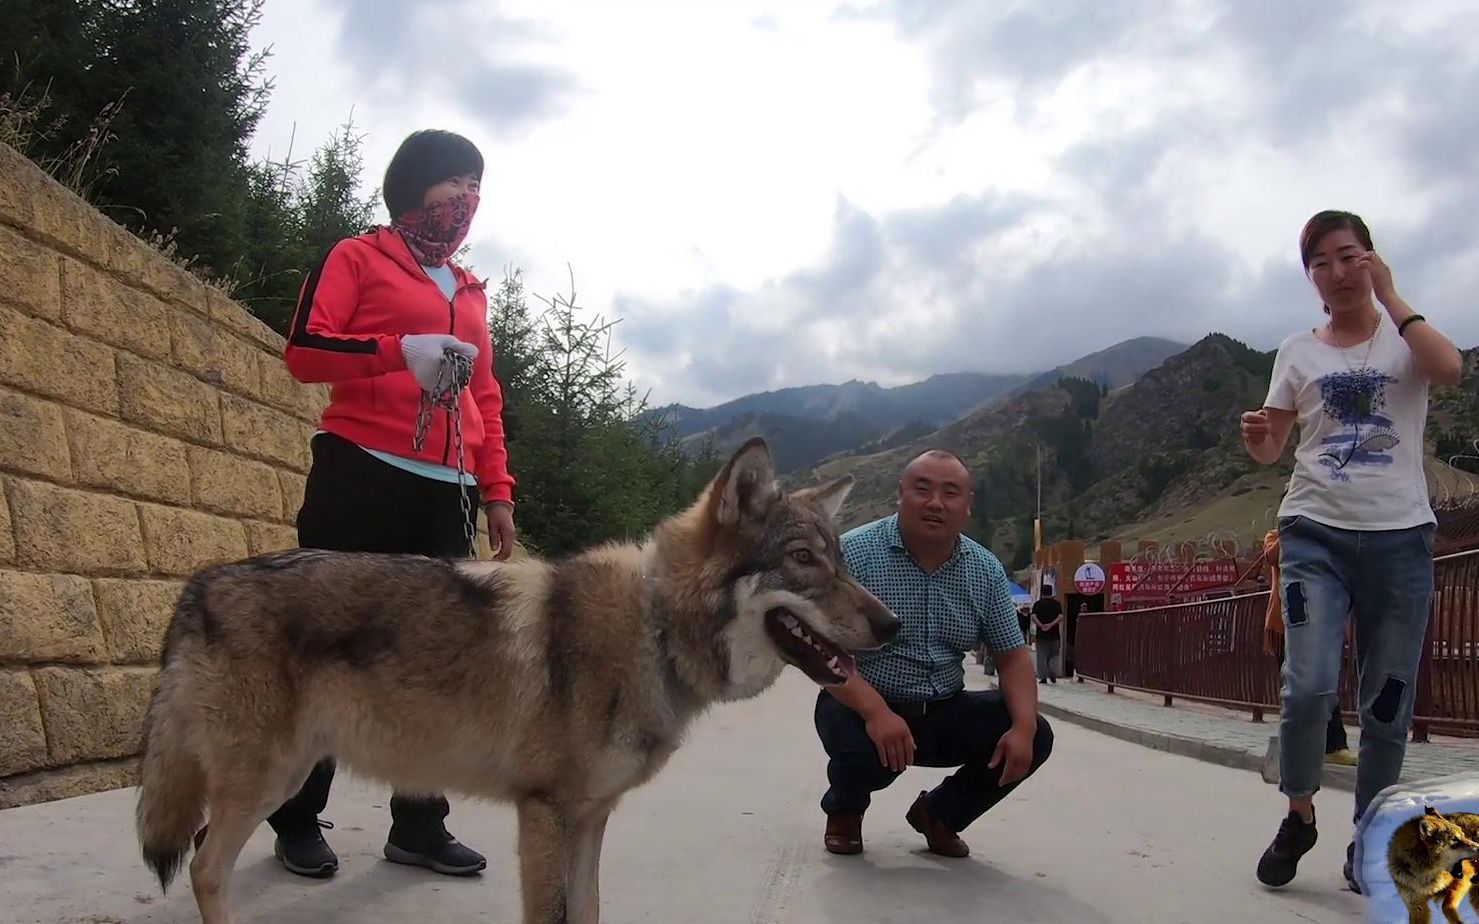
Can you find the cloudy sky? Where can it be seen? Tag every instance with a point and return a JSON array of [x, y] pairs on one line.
[[781, 193]]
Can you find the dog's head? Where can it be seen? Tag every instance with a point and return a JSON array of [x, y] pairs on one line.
[[1445, 838], [776, 588]]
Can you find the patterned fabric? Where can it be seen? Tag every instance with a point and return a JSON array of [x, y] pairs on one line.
[[434, 232], [965, 602]]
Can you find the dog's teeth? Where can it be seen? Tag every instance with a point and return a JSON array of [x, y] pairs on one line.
[[833, 665], [796, 631], [789, 621]]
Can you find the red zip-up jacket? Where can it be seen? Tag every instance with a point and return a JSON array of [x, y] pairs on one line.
[[352, 311]]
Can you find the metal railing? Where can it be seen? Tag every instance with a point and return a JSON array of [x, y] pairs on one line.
[[1212, 651]]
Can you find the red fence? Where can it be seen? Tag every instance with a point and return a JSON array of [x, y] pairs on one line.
[[1212, 652]]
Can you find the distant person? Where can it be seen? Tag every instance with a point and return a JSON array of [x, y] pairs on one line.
[[907, 704], [373, 320], [1337, 748], [1356, 526], [1047, 616]]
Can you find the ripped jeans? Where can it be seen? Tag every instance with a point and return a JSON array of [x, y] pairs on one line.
[[1386, 576]]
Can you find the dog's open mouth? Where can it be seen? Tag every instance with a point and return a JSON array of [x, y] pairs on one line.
[[817, 656]]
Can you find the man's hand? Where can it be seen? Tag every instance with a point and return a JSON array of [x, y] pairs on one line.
[[500, 529], [1015, 748], [890, 734]]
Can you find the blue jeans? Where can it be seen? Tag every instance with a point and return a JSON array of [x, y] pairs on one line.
[[1386, 577]]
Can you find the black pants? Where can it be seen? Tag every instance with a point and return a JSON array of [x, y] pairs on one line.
[[961, 731], [354, 502]]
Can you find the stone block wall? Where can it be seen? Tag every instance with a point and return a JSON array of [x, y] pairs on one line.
[[148, 427]]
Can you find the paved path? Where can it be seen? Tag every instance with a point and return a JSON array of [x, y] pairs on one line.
[[729, 834], [1221, 736]]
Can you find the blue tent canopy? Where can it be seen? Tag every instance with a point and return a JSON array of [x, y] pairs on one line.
[[1019, 593]]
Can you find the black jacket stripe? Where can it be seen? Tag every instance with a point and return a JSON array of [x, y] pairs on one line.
[[299, 336]]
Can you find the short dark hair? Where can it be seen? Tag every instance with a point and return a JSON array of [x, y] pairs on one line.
[[424, 159], [944, 454], [1323, 223]]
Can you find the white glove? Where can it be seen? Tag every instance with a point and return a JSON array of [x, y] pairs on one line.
[[423, 353]]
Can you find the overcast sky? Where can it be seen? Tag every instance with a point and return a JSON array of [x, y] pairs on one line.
[[782, 193]]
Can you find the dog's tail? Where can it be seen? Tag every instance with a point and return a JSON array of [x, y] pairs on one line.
[[172, 782]]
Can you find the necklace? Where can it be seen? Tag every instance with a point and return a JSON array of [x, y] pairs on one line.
[[1370, 342]]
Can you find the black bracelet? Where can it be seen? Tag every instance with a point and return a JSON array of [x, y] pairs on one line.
[[1403, 326]]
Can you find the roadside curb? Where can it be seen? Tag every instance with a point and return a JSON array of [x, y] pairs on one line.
[[1266, 765]]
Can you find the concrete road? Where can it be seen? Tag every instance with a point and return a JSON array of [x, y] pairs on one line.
[[730, 833]]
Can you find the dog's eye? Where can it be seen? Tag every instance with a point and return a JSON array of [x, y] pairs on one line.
[[803, 557]]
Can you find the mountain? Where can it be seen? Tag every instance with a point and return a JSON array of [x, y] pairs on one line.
[[1159, 456], [809, 424], [1115, 367]]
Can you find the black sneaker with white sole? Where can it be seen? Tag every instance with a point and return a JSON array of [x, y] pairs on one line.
[[1349, 870], [1281, 860], [444, 856], [307, 853]]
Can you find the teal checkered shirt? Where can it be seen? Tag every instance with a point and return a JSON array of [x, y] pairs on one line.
[[945, 614]]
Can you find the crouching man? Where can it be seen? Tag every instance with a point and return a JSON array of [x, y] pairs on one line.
[[907, 704]]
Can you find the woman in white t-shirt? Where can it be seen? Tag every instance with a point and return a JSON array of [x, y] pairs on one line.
[[1355, 527]]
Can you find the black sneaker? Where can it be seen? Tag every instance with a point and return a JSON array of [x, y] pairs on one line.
[[307, 854], [1350, 868], [1295, 838], [445, 856]]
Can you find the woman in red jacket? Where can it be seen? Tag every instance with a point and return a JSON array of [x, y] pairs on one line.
[[374, 320]]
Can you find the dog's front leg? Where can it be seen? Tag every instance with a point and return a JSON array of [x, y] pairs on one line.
[[544, 850], [584, 876]]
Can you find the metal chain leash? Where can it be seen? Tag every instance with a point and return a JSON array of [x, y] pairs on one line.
[[452, 377]]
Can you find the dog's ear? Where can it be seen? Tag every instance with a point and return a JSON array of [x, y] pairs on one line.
[[746, 486], [1429, 827], [831, 496], [1429, 810]]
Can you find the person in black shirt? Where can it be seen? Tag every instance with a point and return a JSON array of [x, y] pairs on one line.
[[1047, 616]]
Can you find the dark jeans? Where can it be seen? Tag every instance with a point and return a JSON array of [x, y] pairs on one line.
[[961, 731], [1335, 739], [1387, 578], [354, 502]]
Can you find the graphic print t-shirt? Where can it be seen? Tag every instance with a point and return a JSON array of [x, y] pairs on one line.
[[1358, 464]]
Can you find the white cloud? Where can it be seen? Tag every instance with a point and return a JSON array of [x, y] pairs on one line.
[[774, 194]]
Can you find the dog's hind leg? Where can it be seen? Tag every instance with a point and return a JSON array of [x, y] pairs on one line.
[[233, 819], [584, 867], [544, 848]]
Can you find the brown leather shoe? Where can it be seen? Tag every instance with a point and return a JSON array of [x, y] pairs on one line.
[[941, 839], [844, 834]]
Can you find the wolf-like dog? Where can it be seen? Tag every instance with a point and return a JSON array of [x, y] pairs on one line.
[[1433, 856], [556, 686]]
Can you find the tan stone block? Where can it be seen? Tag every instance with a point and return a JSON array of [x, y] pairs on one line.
[[257, 430], [58, 216], [61, 529], [15, 199], [44, 359], [48, 617], [33, 439], [135, 615], [181, 542], [168, 401], [293, 487], [123, 254], [121, 458], [93, 713], [222, 360], [232, 315], [101, 307], [234, 486], [282, 391], [270, 537], [66, 782], [22, 737], [7, 532], [30, 276], [171, 282]]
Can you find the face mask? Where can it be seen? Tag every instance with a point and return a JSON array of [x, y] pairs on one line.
[[434, 232]]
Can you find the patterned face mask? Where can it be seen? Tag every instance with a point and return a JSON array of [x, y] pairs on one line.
[[434, 232]]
